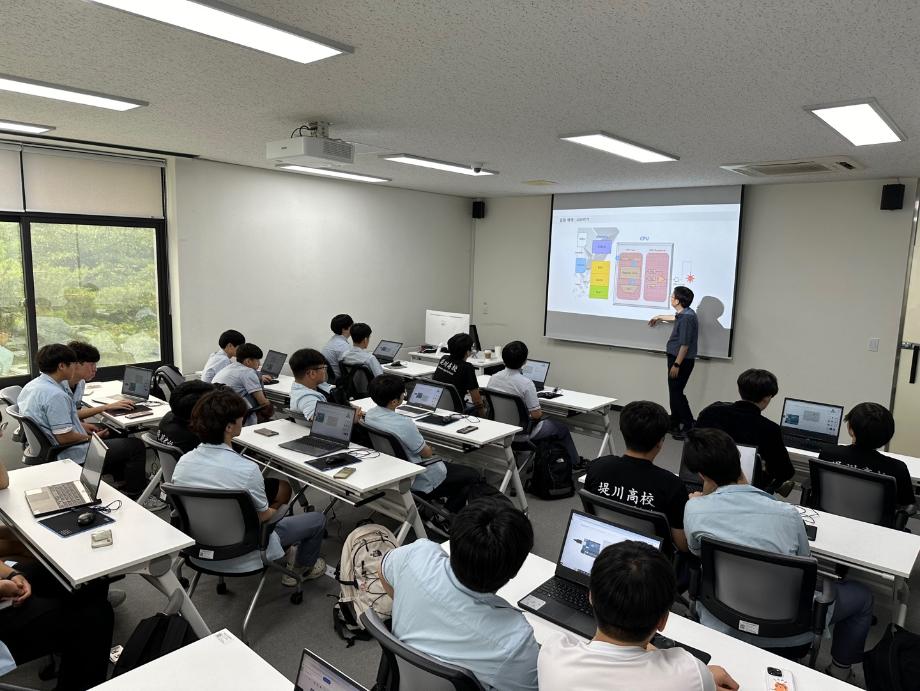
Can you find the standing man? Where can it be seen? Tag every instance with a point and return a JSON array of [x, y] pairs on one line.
[[681, 351]]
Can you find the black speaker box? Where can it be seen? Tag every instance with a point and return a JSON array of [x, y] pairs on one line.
[[479, 209], [892, 197]]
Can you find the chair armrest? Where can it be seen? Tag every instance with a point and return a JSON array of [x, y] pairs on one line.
[[55, 450], [806, 493], [431, 460], [269, 525], [901, 516], [824, 598], [695, 568]]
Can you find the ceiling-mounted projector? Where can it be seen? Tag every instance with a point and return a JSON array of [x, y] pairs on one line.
[[307, 150]]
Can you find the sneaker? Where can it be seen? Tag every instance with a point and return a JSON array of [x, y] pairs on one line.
[[307, 574], [155, 504], [117, 597]]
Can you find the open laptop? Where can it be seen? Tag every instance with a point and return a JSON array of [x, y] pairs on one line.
[[692, 480], [272, 364], [135, 387], [423, 401], [330, 433], [315, 674], [810, 425], [71, 495], [536, 371], [386, 351]]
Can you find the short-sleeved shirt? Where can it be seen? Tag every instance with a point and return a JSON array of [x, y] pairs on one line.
[[359, 356], [513, 382], [216, 362], [876, 462], [175, 432], [240, 378], [434, 613], [52, 406], [640, 483], [404, 429], [333, 351], [574, 664], [684, 333], [304, 399], [460, 373], [217, 466]]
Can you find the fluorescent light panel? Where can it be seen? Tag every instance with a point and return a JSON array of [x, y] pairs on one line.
[[332, 173], [23, 127], [65, 93], [229, 24], [860, 123], [619, 147], [437, 165]]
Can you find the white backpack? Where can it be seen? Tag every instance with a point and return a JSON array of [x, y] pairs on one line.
[[358, 573]]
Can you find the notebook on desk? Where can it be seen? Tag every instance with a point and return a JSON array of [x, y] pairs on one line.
[[422, 404], [810, 425], [536, 371], [135, 386], [330, 433], [272, 364], [315, 674], [76, 493], [386, 351]]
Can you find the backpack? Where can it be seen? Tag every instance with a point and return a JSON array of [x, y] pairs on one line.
[[552, 471], [894, 663], [154, 637], [358, 573]]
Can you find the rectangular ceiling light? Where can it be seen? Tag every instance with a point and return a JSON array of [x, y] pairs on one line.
[[332, 173], [233, 25], [861, 123], [65, 93], [619, 147], [438, 165], [23, 127]]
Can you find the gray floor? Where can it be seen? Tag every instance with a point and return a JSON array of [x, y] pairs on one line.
[[280, 630]]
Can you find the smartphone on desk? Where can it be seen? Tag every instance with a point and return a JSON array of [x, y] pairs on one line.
[[779, 680], [343, 473], [811, 531]]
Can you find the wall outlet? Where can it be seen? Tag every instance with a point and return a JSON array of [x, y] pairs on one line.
[[873, 345]]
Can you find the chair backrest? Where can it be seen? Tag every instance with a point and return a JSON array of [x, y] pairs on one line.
[[355, 380], [415, 670], [167, 378], [10, 394], [167, 455], [763, 593], [384, 442], [223, 522], [450, 397], [854, 493], [508, 408], [651, 523], [38, 445], [331, 377]]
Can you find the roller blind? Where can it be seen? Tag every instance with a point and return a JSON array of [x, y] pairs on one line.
[[10, 178]]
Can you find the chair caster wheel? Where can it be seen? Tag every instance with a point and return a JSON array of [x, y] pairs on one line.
[[296, 598], [222, 589]]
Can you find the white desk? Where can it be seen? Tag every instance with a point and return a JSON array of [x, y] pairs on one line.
[[800, 458], [382, 483], [219, 661], [97, 393], [143, 543], [411, 370], [480, 364], [585, 413], [280, 392]]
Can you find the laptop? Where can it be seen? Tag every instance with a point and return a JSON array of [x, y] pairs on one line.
[[423, 401], [536, 371], [135, 387], [386, 351], [272, 364], [71, 495], [330, 433], [810, 425], [315, 674], [692, 480]]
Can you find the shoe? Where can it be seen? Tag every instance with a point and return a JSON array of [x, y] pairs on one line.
[[678, 435], [117, 598], [155, 504], [837, 672], [306, 574]]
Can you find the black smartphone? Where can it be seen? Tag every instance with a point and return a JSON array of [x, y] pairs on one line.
[[811, 531], [467, 430]]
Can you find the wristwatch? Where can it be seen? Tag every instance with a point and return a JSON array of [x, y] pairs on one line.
[[12, 575], [676, 364]]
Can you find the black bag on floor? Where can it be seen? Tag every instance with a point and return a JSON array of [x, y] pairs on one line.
[[894, 663], [154, 637], [552, 472]]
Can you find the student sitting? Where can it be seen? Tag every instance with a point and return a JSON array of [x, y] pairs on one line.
[[88, 358], [309, 369], [174, 428], [734, 511], [744, 422], [510, 380], [454, 369], [229, 341], [357, 354], [634, 478], [217, 418], [446, 606], [450, 481], [242, 377], [871, 426], [632, 589], [338, 345]]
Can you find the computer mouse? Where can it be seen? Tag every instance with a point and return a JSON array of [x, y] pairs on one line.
[[86, 518]]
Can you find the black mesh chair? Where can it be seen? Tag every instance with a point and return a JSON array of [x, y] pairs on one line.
[[643, 521], [167, 458], [166, 378], [37, 447], [510, 409], [10, 395], [450, 397], [858, 494], [355, 380], [403, 668], [331, 377]]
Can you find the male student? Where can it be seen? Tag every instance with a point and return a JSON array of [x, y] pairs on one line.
[[511, 380], [174, 428], [454, 369], [634, 478], [744, 422], [631, 589], [357, 354], [734, 511], [88, 358], [242, 377], [309, 369], [448, 481], [338, 345], [871, 426], [446, 606], [681, 352], [229, 341], [217, 418]]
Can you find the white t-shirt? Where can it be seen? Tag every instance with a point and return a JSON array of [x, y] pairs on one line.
[[574, 664]]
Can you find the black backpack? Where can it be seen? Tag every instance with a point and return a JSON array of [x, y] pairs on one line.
[[894, 663], [154, 637], [552, 471]]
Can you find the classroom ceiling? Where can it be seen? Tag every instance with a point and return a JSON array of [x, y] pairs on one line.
[[713, 81]]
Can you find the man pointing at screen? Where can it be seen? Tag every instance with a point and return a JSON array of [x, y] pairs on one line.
[[681, 352]]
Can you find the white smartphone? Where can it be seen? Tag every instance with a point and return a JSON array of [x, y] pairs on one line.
[[779, 680]]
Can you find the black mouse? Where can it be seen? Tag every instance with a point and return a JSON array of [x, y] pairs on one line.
[[86, 518]]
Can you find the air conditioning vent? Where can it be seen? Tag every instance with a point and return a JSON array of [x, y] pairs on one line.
[[813, 166]]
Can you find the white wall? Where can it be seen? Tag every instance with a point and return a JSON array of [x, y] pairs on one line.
[[822, 270], [276, 255]]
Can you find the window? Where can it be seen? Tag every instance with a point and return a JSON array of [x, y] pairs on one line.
[[14, 349]]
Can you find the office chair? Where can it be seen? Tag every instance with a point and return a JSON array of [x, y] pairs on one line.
[[510, 409], [37, 447], [854, 493], [166, 378], [403, 668], [355, 380], [331, 377], [167, 458], [10, 396]]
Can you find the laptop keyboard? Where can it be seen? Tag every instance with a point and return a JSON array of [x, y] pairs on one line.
[[135, 409], [65, 495], [412, 409], [436, 419], [316, 447], [575, 596]]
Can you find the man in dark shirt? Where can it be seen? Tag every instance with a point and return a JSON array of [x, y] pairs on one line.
[[871, 426], [454, 369], [174, 427], [634, 478], [745, 424], [681, 352]]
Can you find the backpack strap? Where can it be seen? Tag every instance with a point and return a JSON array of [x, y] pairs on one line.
[[133, 653]]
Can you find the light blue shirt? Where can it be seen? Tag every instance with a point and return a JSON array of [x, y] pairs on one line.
[[216, 362], [242, 379], [404, 429], [513, 382], [7, 663], [360, 356], [434, 613], [333, 351], [304, 399], [52, 406], [217, 466]]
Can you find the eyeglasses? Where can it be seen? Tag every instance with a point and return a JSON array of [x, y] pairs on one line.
[[317, 369]]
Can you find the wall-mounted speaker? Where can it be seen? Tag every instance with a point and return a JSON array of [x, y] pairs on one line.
[[479, 209], [892, 197]]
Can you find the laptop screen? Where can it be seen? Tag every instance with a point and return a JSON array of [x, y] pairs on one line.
[[425, 395], [586, 537], [387, 349], [807, 419], [92, 466], [535, 370], [136, 382], [316, 674], [273, 363], [333, 421]]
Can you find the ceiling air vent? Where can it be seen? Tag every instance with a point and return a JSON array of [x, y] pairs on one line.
[[810, 166]]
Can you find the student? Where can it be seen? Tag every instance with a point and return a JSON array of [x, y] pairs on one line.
[[88, 358], [309, 369], [217, 418], [229, 341], [242, 377], [510, 380], [632, 589], [734, 511], [338, 345], [634, 478], [871, 426], [450, 481], [357, 354], [744, 422], [174, 429], [446, 606], [454, 369]]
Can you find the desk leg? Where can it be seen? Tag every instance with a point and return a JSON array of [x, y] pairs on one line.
[[160, 575], [608, 440], [512, 476], [901, 598], [412, 519], [152, 485]]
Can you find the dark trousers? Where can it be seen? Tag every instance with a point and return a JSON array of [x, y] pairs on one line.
[[852, 620], [680, 407], [456, 486], [126, 460], [553, 429]]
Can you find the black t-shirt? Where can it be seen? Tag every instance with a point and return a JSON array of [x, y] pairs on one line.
[[638, 482], [460, 373], [176, 433], [872, 460]]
